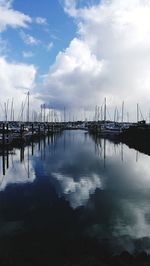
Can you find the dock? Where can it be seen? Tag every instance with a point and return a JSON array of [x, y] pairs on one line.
[[12, 133]]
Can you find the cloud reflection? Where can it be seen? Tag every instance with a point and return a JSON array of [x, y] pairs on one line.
[[17, 173], [78, 192]]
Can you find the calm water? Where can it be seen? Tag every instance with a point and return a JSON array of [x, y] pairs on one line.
[[71, 189]]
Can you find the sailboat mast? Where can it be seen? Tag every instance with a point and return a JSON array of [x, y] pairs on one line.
[[5, 108], [137, 112], [105, 110], [122, 112], [28, 111], [11, 113]]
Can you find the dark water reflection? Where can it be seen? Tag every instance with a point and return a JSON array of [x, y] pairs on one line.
[[74, 189]]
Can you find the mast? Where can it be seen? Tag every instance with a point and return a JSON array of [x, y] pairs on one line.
[[49, 115], [64, 114], [11, 112], [41, 112], [44, 106], [96, 113], [22, 107], [137, 112], [5, 108], [115, 114], [101, 112], [122, 116], [28, 110], [104, 110], [128, 117]]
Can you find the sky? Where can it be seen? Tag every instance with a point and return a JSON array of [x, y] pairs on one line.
[[74, 53]]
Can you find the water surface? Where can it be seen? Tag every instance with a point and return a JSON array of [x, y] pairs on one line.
[[71, 189]]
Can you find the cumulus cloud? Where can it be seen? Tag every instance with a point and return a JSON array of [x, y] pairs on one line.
[[19, 79], [10, 17], [70, 7], [71, 73], [109, 57]]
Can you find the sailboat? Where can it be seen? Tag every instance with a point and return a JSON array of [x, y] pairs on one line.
[[111, 128]]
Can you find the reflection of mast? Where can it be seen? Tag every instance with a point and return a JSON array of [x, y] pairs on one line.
[[28, 163], [39, 144], [122, 152], [32, 147], [22, 154], [104, 153], [137, 156], [64, 141], [3, 161], [44, 147], [7, 161]]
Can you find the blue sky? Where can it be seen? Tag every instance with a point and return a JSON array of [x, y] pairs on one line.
[[58, 30]]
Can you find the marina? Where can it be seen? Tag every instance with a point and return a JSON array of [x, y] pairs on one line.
[[74, 133]]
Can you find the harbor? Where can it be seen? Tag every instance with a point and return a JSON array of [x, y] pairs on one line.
[[74, 133]]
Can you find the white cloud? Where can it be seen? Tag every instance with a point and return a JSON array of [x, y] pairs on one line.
[[70, 7], [29, 39], [41, 21], [15, 80], [50, 46], [27, 54], [110, 57], [10, 17]]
